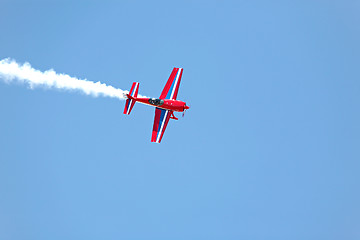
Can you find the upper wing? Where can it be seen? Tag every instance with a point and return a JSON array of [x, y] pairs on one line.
[[172, 86], [161, 120]]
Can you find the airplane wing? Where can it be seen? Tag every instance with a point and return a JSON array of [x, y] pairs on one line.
[[171, 88], [161, 120]]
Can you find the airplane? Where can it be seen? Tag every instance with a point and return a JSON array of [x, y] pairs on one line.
[[165, 105]]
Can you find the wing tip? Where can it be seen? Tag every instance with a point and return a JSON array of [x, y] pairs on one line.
[[154, 141]]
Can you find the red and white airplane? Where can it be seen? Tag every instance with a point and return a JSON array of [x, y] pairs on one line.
[[165, 106]]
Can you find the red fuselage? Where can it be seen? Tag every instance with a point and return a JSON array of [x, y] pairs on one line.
[[173, 105]]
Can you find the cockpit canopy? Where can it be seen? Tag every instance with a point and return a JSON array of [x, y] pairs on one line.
[[156, 101]]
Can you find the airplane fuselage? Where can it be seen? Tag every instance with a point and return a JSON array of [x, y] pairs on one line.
[[167, 104]]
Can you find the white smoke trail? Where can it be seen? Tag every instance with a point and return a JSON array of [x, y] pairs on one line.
[[11, 71]]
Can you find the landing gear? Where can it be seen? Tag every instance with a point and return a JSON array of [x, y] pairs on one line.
[[172, 116]]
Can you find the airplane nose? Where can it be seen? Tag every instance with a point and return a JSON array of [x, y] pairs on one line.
[[186, 107]]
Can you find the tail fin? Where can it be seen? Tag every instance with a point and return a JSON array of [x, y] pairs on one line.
[[131, 98]]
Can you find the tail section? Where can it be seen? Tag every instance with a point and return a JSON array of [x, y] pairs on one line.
[[131, 98]]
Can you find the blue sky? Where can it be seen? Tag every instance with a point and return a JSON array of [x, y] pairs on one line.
[[268, 150]]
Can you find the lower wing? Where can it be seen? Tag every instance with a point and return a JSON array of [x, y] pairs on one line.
[[161, 120]]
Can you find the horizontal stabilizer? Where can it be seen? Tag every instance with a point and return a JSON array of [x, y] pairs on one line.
[[130, 102]]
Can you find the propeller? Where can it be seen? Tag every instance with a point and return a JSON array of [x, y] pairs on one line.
[[185, 108]]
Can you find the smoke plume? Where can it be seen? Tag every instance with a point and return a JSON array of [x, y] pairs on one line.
[[11, 71]]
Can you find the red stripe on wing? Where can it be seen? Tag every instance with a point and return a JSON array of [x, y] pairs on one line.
[[161, 120], [169, 83]]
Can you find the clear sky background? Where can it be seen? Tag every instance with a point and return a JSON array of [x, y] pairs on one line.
[[269, 149]]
